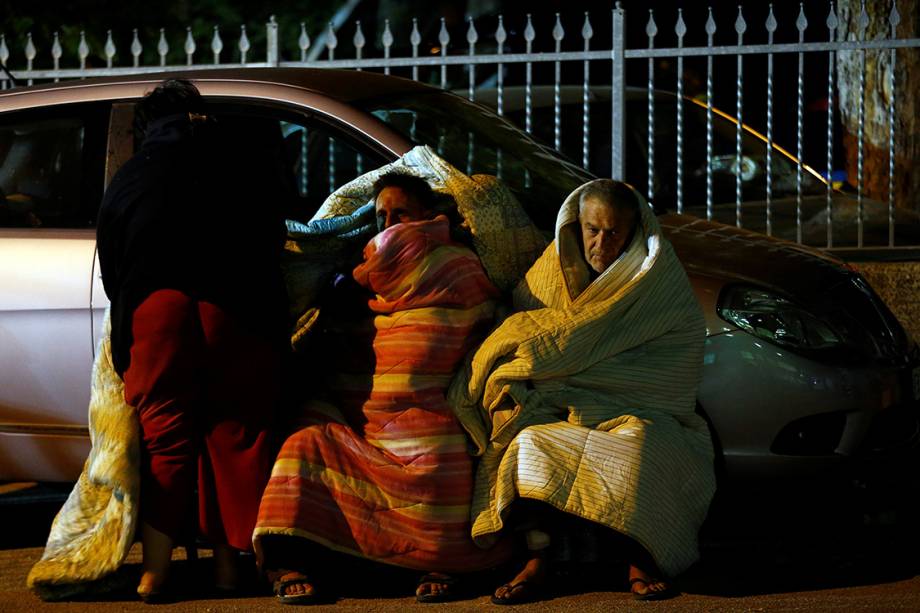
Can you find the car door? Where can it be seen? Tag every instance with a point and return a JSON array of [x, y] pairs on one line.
[[51, 173], [316, 154]]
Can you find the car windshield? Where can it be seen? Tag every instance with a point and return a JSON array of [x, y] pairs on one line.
[[724, 164], [476, 141], [753, 170]]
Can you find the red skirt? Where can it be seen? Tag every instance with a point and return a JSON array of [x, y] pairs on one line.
[[205, 390]]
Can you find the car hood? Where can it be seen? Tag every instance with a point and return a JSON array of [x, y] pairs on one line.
[[823, 284], [737, 255]]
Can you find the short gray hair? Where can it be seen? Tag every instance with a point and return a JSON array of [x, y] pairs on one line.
[[615, 194]]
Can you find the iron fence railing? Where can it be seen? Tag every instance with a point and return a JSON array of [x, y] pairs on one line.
[[496, 58]]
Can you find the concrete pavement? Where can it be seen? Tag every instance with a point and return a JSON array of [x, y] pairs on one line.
[[895, 594], [759, 562]]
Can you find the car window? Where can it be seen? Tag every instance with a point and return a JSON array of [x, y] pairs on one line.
[[311, 158], [306, 157], [476, 141], [321, 159], [753, 170], [753, 162], [51, 167]]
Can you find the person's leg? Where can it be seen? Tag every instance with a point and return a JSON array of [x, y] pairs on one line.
[[157, 554], [161, 383], [646, 581], [243, 389], [287, 559], [528, 517], [436, 587]]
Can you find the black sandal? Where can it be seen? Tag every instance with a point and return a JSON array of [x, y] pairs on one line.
[[665, 594], [519, 593], [280, 585], [448, 594]]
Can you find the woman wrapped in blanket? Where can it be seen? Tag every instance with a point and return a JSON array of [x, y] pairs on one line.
[[379, 467]]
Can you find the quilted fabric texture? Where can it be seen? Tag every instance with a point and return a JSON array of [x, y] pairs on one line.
[[93, 532], [585, 398], [505, 239], [378, 465]]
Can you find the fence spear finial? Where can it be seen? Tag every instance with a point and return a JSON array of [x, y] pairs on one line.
[[56, 51], [358, 41], [332, 41], [30, 50], [415, 38], [217, 45], [801, 22], [771, 21], [558, 32], [472, 36], [303, 42], [109, 49], [740, 23], [586, 30], [136, 48], [189, 45], [443, 35], [162, 47], [651, 28], [83, 50], [500, 34]]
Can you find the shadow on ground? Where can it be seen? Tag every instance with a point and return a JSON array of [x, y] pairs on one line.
[[754, 543]]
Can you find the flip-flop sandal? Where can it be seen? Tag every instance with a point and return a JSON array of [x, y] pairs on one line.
[[279, 587], [669, 592], [445, 595], [518, 593]]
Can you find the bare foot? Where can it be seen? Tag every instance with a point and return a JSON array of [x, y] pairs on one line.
[[157, 554], [645, 587], [525, 585]]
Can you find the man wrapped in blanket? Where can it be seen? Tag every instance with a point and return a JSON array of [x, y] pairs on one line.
[[379, 467], [584, 400]]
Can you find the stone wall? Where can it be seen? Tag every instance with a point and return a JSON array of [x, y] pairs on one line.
[[898, 283]]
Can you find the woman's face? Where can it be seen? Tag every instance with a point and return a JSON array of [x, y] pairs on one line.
[[394, 205]]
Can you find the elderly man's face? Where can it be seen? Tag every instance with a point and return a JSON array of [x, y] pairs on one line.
[[605, 232], [395, 206]]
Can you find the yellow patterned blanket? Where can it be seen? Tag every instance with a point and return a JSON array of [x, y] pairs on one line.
[[585, 399], [93, 532]]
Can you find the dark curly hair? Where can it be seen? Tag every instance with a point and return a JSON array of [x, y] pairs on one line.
[[171, 97], [412, 185]]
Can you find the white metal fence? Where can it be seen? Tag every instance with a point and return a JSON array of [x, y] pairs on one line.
[[454, 64]]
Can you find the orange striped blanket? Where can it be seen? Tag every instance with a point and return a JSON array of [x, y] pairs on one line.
[[380, 467]]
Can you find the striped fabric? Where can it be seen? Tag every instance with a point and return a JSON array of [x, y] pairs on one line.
[[585, 398], [381, 468]]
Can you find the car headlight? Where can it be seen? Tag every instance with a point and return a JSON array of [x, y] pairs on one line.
[[776, 319]]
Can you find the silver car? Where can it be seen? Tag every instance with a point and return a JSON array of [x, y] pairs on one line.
[[806, 370]]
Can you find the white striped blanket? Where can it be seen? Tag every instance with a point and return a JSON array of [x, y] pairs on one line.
[[585, 399]]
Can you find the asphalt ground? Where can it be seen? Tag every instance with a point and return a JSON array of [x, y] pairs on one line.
[[759, 553]]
